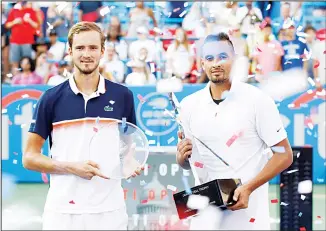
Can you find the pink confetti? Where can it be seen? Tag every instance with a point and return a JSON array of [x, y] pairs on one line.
[[199, 165], [263, 24], [274, 201], [258, 49], [44, 178], [302, 229], [72, 202], [9, 122], [176, 9], [319, 217], [230, 32], [231, 140], [77, 3], [144, 201], [252, 220], [317, 64], [308, 123], [95, 129], [141, 99], [324, 52]]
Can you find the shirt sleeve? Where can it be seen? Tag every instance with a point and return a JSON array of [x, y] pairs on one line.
[[268, 121], [131, 118], [42, 117]]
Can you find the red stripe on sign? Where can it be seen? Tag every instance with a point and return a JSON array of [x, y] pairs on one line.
[[274, 201]]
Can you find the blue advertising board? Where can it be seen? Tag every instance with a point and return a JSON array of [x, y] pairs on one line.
[[302, 114]]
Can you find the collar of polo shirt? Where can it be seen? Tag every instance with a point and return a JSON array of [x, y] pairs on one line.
[[207, 97], [100, 87]]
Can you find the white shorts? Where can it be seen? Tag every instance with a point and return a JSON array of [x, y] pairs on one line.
[[112, 220]]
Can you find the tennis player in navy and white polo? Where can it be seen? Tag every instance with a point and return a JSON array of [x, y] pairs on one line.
[[80, 195], [240, 129]]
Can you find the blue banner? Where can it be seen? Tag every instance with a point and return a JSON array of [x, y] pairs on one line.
[[302, 114]]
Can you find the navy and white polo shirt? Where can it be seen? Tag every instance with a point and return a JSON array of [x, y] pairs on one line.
[[68, 118]]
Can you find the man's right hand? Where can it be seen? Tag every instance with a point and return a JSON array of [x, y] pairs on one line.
[[86, 170], [18, 21], [184, 149]]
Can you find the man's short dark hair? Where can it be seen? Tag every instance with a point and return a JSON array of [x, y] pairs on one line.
[[309, 27], [218, 37]]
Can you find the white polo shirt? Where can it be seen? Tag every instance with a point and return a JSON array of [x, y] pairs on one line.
[[252, 116]]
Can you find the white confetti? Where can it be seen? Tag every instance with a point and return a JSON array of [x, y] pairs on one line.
[[23, 125], [50, 26], [14, 161], [171, 140], [150, 133], [305, 187], [310, 91], [283, 203], [61, 6], [10, 75], [302, 40], [299, 28], [142, 183], [104, 11], [151, 142], [268, 7], [185, 4], [311, 81], [197, 202], [182, 14], [25, 96], [320, 180], [292, 171], [152, 65], [291, 105], [34, 105], [303, 197], [3, 111], [112, 102], [298, 154], [279, 149], [288, 23], [172, 188], [302, 34]]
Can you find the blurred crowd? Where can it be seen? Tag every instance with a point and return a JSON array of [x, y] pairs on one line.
[[143, 49]]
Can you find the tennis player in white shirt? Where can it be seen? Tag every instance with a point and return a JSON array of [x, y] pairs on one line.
[[240, 129]]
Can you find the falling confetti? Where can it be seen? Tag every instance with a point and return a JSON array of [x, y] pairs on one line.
[[287, 62], [281, 185], [316, 64], [185, 4], [278, 149], [124, 124], [77, 4], [182, 14], [258, 49], [50, 27], [151, 142], [171, 140], [18, 107], [311, 81], [298, 154], [95, 129], [10, 75], [273, 201], [305, 187], [198, 164], [320, 180], [284, 204], [112, 102], [303, 197], [25, 96], [302, 229], [15, 153], [14, 161], [150, 133], [263, 24], [302, 40], [197, 202], [319, 217], [144, 201], [308, 122], [141, 99], [231, 140], [3, 111], [152, 65], [172, 188], [71, 202], [142, 183], [186, 184], [252, 220], [176, 9], [300, 214], [61, 6], [44, 178], [104, 11], [268, 7], [299, 28], [23, 125], [292, 171]]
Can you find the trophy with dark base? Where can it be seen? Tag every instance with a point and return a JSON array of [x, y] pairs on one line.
[[219, 191]]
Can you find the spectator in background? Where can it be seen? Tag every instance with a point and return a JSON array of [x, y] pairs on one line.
[[140, 17], [239, 43], [114, 35], [247, 16], [268, 55], [4, 42], [60, 22], [22, 21], [43, 67], [143, 42], [180, 56], [281, 36], [61, 76], [112, 67], [293, 51], [310, 41], [319, 57], [26, 76], [57, 49], [140, 75], [284, 19], [90, 11], [40, 46], [40, 18]]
